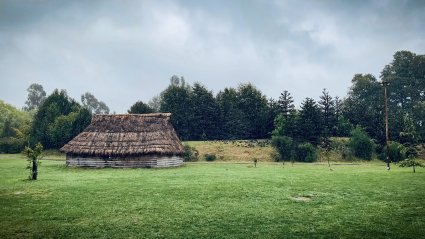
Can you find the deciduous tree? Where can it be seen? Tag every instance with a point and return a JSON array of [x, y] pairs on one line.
[[54, 125], [36, 95], [91, 103]]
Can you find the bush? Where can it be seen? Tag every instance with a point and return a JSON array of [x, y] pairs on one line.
[[210, 157], [306, 152], [190, 154], [396, 152], [275, 156], [361, 145], [284, 146], [410, 162], [11, 145], [347, 154]]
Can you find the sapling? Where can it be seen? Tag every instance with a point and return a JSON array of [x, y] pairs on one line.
[[34, 156]]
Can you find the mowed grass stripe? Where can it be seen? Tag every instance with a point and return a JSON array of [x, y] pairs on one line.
[[211, 201]]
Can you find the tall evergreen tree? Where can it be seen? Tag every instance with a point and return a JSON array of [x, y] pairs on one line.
[[253, 105], [176, 100], [232, 118], [309, 122], [327, 106], [274, 111], [286, 104], [205, 114]]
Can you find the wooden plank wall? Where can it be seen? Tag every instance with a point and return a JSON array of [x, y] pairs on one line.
[[134, 162]]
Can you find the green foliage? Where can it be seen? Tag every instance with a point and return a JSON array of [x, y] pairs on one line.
[[410, 140], [140, 108], [11, 145], [396, 151], [36, 96], [343, 127], [284, 146], [205, 111], [255, 112], [8, 131], [66, 127], [327, 107], [92, 104], [405, 75], [58, 120], [408, 136], [210, 157], [34, 156], [309, 122], [242, 113], [306, 152], [176, 100], [364, 105], [190, 154], [13, 122], [232, 120], [14, 128], [410, 162], [286, 104], [360, 144], [347, 153]]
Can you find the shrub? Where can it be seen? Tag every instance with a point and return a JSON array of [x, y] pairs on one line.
[[306, 152], [210, 157], [284, 146], [396, 151], [11, 145], [410, 162], [274, 155], [190, 154], [347, 154], [361, 145]]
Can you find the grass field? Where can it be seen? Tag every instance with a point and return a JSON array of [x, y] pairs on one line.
[[212, 201]]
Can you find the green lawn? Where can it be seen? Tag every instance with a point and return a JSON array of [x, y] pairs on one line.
[[212, 201]]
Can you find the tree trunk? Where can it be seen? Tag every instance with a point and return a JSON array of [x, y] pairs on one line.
[[414, 168], [34, 169]]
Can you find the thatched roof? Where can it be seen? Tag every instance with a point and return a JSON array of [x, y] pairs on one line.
[[126, 134]]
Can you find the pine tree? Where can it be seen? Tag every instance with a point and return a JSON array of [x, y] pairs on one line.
[[286, 104], [205, 114], [309, 122]]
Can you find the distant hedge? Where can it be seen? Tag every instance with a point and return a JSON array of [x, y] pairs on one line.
[[11, 145]]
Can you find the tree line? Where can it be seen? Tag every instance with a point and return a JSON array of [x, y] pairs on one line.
[[245, 112], [51, 121]]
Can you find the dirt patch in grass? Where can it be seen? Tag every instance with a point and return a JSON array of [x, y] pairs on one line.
[[303, 198]]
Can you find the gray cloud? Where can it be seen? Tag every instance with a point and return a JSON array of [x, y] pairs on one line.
[[123, 51]]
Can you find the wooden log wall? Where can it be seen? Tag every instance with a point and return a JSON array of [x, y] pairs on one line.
[[131, 162]]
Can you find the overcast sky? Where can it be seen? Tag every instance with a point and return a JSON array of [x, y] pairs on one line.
[[124, 51]]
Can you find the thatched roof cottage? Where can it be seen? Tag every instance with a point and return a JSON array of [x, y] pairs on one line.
[[128, 140]]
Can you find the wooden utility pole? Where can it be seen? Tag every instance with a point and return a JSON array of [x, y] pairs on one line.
[[385, 84]]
